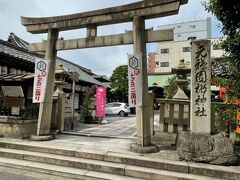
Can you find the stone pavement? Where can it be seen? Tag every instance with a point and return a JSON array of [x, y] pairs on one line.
[[117, 136], [123, 128]]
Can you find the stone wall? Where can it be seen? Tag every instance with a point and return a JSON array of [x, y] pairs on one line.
[[174, 115], [17, 128]]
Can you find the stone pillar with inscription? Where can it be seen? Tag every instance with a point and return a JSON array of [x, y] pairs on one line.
[[200, 121]]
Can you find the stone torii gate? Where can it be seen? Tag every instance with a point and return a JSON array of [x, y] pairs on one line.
[[135, 13]]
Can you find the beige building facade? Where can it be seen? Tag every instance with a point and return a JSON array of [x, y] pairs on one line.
[[169, 54]]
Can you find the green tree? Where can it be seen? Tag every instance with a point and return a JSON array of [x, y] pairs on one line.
[[171, 89], [119, 80], [87, 104], [228, 13]]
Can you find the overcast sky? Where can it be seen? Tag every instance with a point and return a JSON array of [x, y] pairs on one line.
[[103, 60]]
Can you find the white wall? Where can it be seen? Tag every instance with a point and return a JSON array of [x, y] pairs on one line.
[[200, 29], [176, 53]]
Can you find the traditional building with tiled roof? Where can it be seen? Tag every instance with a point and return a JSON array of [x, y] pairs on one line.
[[17, 70]]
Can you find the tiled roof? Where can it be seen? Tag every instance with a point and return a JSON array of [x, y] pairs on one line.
[[16, 77], [13, 39], [83, 76], [7, 48], [100, 78], [16, 51], [12, 91]]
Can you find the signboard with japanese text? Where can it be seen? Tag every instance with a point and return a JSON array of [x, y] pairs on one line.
[[15, 110], [134, 80], [201, 87], [40, 80], [100, 101]]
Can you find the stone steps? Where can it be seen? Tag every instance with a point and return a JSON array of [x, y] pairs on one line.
[[61, 172], [97, 166], [115, 163]]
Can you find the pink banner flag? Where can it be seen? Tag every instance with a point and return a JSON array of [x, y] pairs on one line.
[[100, 101]]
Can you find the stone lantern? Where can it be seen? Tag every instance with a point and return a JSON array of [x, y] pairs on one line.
[[181, 71], [58, 104], [60, 76]]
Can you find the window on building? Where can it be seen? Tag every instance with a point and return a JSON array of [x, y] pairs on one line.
[[157, 64], [217, 47], [186, 49], [164, 64], [179, 35], [192, 26], [164, 51], [178, 26]]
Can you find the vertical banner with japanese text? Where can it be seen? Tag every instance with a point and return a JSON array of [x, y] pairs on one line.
[[201, 87], [100, 101], [134, 80], [40, 80]]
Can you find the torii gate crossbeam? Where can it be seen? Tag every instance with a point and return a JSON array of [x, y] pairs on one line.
[[134, 12], [148, 9]]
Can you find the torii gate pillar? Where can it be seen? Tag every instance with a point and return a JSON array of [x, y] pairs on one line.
[[45, 110], [144, 144]]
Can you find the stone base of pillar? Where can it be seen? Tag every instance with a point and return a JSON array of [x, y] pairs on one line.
[[212, 149], [144, 150], [42, 138]]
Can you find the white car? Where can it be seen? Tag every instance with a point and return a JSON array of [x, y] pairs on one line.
[[118, 108]]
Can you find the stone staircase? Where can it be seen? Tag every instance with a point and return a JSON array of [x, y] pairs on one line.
[[79, 164]]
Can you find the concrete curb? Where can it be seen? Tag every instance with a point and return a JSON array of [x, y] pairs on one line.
[[95, 135]]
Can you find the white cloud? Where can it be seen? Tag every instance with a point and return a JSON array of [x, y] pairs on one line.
[[100, 60]]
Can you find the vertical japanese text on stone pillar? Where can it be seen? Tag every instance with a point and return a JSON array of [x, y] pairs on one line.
[[201, 87]]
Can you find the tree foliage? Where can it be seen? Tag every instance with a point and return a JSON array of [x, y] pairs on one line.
[[171, 89], [119, 80], [228, 13], [87, 104]]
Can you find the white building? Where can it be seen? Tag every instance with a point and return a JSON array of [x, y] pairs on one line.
[[199, 28], [169, 54]]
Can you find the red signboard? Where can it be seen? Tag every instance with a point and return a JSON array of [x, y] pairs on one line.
[[100, 101], [222, 91]]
